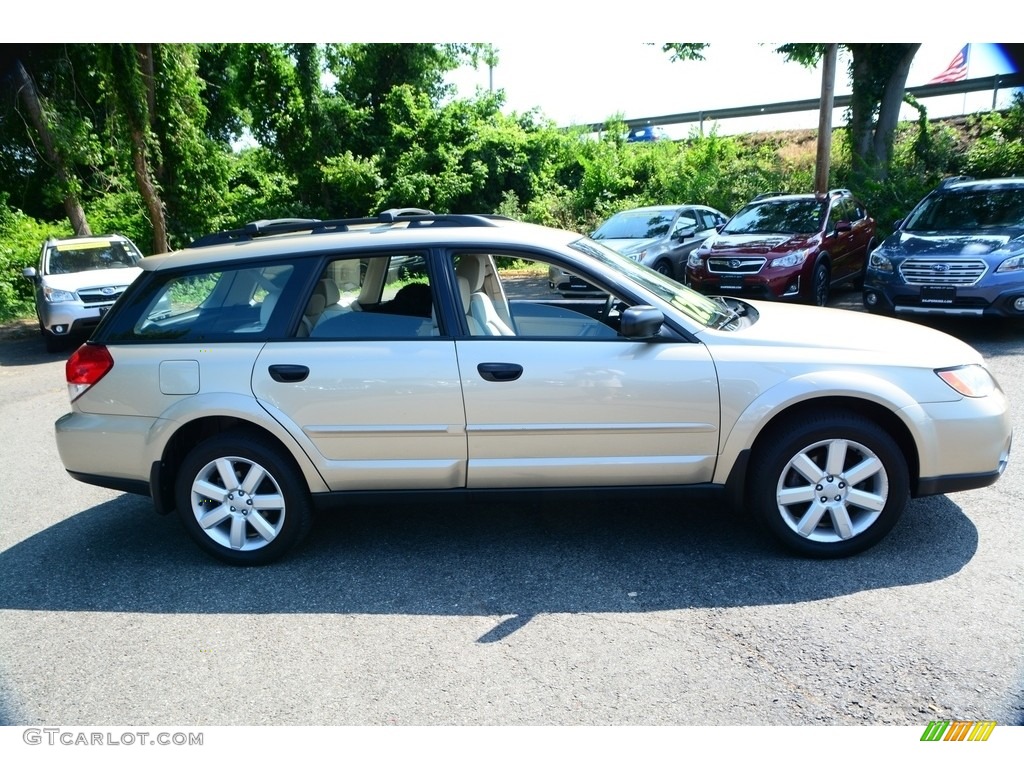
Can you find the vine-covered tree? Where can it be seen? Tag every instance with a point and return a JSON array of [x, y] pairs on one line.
[[878, 80]]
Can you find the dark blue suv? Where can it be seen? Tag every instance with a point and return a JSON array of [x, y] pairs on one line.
[[959, 252]]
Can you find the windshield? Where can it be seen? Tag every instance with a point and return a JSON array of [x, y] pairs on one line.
[[85, 256], [968, 210], [635, 225], [696, 306], [778, 217]]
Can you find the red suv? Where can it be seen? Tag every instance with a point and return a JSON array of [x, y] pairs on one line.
[[786, 247]]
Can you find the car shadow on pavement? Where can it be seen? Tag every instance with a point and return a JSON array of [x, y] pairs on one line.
[[506, 560], [27, 349]]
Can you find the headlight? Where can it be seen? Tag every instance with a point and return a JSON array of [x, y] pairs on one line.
[[969, 380], [880, 263], [693, 260], [794, 259], [55, 296], [1012, 264]]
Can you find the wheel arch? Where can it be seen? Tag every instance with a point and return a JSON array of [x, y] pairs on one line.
[[194, 432], [881, 414]]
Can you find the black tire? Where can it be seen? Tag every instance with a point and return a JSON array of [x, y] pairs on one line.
[[664, 267], [824, 511], [820, 284], [258, 520], [53, 343]]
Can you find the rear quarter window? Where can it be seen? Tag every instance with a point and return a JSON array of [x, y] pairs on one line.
[[216, 304]]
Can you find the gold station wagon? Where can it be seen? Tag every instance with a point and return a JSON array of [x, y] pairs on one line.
[[292, 365]]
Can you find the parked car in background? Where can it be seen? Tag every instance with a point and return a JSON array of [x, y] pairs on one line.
[[959, 252], [647, 133], [77, 281], [786, 247], [287, 366], [660, 236]]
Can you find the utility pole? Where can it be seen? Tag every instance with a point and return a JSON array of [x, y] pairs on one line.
[[828, 93]]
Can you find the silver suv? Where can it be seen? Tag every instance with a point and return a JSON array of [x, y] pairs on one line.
[[294, 365], [77, 281]]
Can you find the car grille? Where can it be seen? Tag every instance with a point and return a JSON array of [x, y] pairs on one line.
[[736, 265], [101, 295], [942, 271]]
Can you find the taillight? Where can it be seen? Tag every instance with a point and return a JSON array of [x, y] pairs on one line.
[[85, 367]]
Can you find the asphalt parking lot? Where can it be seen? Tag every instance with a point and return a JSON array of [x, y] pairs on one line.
[[622, 611]]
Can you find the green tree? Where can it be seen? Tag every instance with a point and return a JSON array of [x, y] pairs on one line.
[[878, 78], [45, 136]]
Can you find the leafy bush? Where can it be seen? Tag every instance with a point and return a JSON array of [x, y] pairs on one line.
[[998, 149], [20, 240]]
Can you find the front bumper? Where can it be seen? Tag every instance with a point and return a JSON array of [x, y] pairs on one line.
[[978, 300], [67, 318], [784, 286]]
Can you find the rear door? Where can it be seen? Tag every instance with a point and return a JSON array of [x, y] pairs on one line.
[[369, 382]]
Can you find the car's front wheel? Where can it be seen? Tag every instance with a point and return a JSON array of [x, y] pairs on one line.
[[664, 267], [820, 284], [242, 500], [831, 486]]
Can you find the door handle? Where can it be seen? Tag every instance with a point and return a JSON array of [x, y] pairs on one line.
[[288, 374], [499, 371]]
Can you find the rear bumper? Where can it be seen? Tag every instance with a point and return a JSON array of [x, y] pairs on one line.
[[106, 450]]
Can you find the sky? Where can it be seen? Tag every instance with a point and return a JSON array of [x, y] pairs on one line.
[[579, 62], [639, 80]]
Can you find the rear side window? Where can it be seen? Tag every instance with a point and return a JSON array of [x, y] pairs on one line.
[[217, 304], [380, 296]]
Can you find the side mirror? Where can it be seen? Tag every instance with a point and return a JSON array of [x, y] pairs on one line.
[[641, 322], [683, 234], [843, 226], [30, 273]]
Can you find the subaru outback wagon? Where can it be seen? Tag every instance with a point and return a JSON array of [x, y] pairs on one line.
[[283, 367], [959, 252]]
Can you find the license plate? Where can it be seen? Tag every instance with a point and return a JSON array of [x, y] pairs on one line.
[[103, 310], [730, 286], [938, 294]]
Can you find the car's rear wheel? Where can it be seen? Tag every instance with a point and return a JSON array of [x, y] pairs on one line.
[[241, 500], [831, 486]]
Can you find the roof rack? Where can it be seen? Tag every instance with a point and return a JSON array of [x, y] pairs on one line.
[[388, 219], [839, 191], [764, 195], [954, 180]]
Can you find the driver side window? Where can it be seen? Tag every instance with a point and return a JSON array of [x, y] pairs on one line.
[[516, 297]]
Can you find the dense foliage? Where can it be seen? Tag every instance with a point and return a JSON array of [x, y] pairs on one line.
[[164, 142]]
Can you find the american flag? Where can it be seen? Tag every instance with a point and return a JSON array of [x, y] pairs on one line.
[[957, 69]]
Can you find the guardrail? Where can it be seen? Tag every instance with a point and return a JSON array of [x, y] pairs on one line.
[[994, 83]]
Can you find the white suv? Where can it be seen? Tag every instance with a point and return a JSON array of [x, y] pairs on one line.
[[290, 365], [77, 281]]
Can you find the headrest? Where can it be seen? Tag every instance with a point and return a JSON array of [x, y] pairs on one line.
[[471, 268]]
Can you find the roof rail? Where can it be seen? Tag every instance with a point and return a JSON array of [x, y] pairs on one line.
[[764, 195], [388, 219], [839, 191], [953, 180]]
